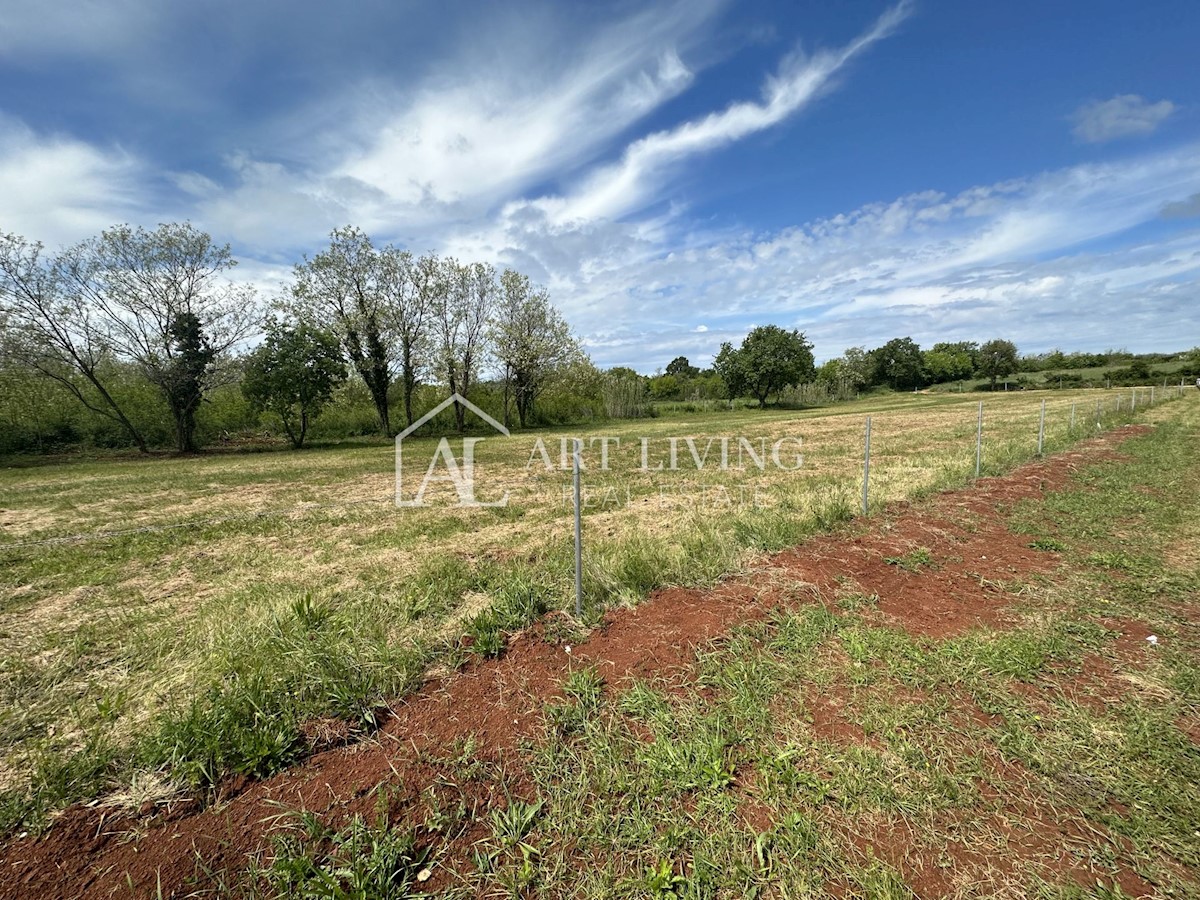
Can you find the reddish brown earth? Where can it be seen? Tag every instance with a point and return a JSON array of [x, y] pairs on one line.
[[98, 852]]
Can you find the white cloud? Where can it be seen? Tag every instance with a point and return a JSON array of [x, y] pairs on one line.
[[1008, 258], [630, 184], [473, 132], [483, 140], [57, 189], [481, 132], [1125, 115]]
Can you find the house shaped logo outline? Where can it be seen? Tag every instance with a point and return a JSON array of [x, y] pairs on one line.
[[452, 399], [466, 404]]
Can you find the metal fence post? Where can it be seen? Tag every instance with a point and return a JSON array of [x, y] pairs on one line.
[[578, 538], [1072, 418], [866, 467], [1042, 428], [1133, 401], [979, 441]]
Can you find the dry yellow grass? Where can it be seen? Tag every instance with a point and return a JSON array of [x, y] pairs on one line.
[[121, 623]]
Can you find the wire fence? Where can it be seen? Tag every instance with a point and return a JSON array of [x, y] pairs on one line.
[[1082, 416]]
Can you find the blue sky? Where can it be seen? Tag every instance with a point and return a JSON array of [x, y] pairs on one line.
[[675, 173]]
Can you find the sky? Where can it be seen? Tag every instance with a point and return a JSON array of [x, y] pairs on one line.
[[675, 173]]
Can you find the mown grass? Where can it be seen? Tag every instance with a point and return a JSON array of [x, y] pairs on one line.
[[822, 752], [145, 661], [729, 788]]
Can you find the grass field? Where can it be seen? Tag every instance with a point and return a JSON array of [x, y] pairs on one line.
[[1057, 758], [176, 620]]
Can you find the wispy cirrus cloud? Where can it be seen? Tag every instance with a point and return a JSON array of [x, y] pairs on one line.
[[1125, 115], [473, 132], [630, 184], [485, 137]]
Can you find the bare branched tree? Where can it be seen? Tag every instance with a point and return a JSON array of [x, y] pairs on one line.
[[462, 310], [410, 286], [52, 329], [530, 339], [155, 299], [164, 302]]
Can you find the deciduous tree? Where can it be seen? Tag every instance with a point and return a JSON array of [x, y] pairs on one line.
[[168, 307], [462, 311], [293, 374], [159, 300], [997, 359], [349, 291], [681, 368], [411, 286], [50, 327], [770, 359], [531, 340], [899, 364]]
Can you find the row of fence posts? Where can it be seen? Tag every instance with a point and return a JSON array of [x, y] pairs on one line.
[[866, 483], [1041, 438]]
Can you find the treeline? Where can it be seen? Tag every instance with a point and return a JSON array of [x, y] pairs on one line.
[[772, 362], [147, 335], [901, 364], [139, 338]]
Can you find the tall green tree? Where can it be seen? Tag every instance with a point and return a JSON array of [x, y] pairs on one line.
[[681, 368], [293, 374], [728, 366], [947, 365], [857, 367], [997, 359], [900, 364], [182, 377], [770, 359], [951, 361], [969, 348]]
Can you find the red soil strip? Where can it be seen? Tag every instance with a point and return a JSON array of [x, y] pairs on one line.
[[96, 852]]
